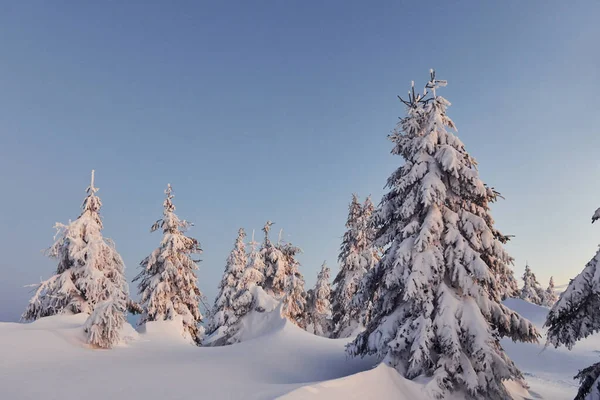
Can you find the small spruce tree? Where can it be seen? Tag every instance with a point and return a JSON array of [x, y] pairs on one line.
[[275, 266], [168, 285], [532, 290], [89, 276], [550, 296], [575, 316], [319, 306], [357, 256], [439, 308], [294, 299], [224, 313]]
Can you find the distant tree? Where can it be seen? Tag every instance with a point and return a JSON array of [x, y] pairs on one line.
[[575, 316], [319, 306], [357, 256], [550, 296], [275, 266], [532, 290], [439, 310], [223, 313], [254, 274], [243, 301], [283, 280], [168, 285], [294, 299], [89, 275]]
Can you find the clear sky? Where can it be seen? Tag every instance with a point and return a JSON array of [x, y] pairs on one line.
[[257, 110]]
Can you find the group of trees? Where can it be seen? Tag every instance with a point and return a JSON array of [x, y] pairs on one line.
[[274, 268], [421, 281], [575, 316], [89, 277], [533, 292]]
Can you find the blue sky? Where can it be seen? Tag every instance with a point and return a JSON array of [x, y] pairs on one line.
[[280, 110]]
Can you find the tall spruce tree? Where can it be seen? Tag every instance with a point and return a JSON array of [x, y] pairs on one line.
[[224, 313], [532, 290], [89, 276], [575, 316], [168, 285], [318, 304], [357, 256], [438, 310]]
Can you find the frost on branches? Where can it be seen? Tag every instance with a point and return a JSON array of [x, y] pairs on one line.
[[104, 325], [283, 280], [532, 290], [438, 311], [88, 276], [168, 285], [576, 315], [294, 300], [243, 301], [357, 256], [224, 312], [319, 308]]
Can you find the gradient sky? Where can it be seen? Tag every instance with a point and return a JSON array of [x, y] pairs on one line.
[[257, 110]]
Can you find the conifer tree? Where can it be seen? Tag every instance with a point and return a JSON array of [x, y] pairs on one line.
[[575, 316], [438, 310], [532, 290], [252, 276], [357, 256], [223, 313], [89, 277], [254, 273], [294, 298], [550, 296], [318, 304], [168, 285], [283, 280], [243, 301], [275, 269]]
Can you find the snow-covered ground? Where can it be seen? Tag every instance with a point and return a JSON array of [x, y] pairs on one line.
[[49, 359]]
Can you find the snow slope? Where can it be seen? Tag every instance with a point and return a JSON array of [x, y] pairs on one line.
[[49, 359]]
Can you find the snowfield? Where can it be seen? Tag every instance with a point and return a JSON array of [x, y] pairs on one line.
[[49, 359]]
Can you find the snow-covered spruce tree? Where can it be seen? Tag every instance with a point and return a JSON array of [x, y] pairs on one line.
[[550, 296], [89, 276], [294, 299], [575, 316], [253, 275], [275, 271], [168, 285], [439, 311], [318, 304], [357, 256], [224, 313], [243, 301], [532, 290], [283, 281]]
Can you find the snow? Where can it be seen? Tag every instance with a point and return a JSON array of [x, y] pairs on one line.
[[50, 359]]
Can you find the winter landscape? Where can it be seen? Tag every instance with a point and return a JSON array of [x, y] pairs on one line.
[[423, 292]]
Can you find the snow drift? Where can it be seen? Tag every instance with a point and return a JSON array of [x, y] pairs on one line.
[[49, 359]]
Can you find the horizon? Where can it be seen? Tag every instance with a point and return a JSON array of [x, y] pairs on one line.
[[281, 113]]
